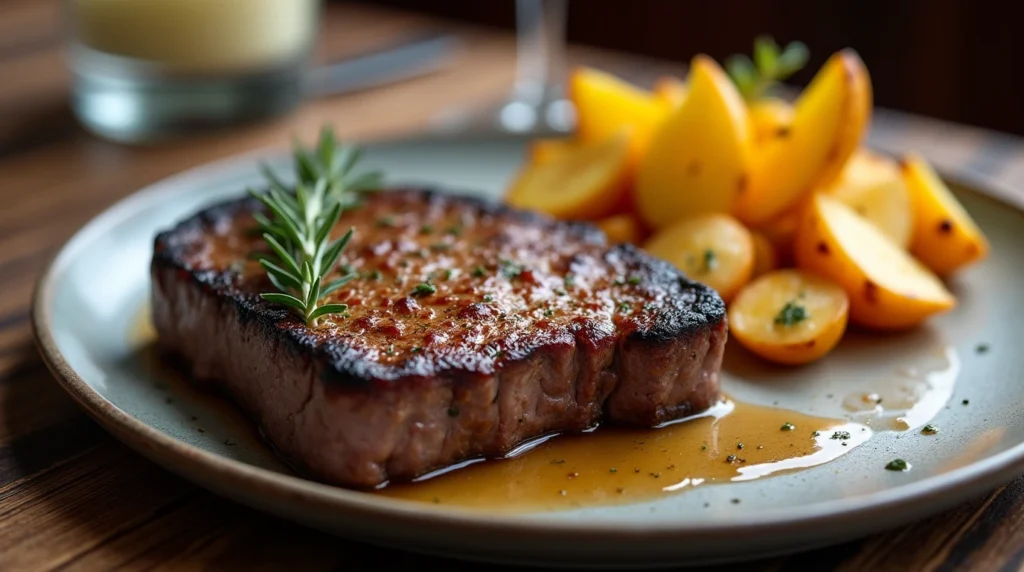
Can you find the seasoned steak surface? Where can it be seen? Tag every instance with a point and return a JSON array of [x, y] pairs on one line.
[[472, 328]]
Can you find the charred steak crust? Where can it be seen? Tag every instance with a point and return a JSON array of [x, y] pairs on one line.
[[345, 415]]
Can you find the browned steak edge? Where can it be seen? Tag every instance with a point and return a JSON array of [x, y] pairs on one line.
[[691, 308]]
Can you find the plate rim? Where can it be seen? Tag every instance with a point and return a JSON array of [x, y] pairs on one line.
[[194, 462]]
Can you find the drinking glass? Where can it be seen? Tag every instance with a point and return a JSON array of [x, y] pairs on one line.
[[537, 104], [147, 69]]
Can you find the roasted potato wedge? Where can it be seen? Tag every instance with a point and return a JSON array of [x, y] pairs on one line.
[[829, 121], [771, 118], [621, 228], [700, 153], [670, 91], [871, 184], [888, 288], [588, 183], [605, 104], [715, 249], [945, 237], [543, 150], [789, 316]]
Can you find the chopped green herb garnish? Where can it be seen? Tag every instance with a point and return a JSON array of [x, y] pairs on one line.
[[791, 314], [771, 64], [416, 349], [386, 221], [448, 273], [440, 246], [981, 348], [710, 260], [739, 445], [898, 465], [453, 411], [391, 350], [570, 280], [634, 280], [510, 269], [479, 272], [488, 298], [787, 426], [454, 230], [624, 307], [548, 313], [374, 275], [613, 470], [426, 229], [619, 281], [730, 459], [966, 402], [841, 435], [423, 289], [930, 429]]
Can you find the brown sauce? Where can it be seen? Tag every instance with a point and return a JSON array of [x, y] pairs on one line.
[[734, 441]]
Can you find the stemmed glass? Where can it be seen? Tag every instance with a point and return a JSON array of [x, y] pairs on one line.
[[537, 103]]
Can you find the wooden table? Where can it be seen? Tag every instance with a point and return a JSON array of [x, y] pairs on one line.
[[72, 497]]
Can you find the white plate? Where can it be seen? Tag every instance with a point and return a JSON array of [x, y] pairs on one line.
[[88, 299]]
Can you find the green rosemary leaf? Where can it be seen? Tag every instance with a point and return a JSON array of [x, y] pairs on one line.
[[286, 299], [336, 284], [282, 254], [328, 309], [281, 274], [299, 220]]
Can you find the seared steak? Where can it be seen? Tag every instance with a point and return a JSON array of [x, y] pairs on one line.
[[472, 328]]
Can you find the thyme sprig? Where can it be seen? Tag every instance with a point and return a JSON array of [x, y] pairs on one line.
[[298, 223]]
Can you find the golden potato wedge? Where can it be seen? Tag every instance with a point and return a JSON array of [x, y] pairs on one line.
[[789, 316], [543, 150], [621, 228], [670, 91], [945, 237], [586, 183], [698, 157], [888, 288], [871, 184], [766, 258], [713, 248], [771, 118], [829, 121], [605, 104]]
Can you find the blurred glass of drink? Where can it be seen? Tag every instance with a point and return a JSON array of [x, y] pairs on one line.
[[148, 69]]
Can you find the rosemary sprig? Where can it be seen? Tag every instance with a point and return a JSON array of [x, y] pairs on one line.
[[770, 65], [298, 224]]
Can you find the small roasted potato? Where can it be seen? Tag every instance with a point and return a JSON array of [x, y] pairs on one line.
[[945, 237], [714, 249], [888, 288], [621, 228], [771, 118], [789, 316], [605, 104], [829, 121], [871, 184], [587, 183], [766, 258], [698, 157]]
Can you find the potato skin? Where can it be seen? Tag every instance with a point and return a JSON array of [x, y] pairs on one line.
[[945, 237], [880, 298]]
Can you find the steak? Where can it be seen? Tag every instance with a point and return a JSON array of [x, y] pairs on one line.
[[472, 329]]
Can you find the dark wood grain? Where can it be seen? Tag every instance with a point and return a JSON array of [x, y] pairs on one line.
[[73, 498]]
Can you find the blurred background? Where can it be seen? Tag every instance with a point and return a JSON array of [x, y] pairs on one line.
[[958, 60]]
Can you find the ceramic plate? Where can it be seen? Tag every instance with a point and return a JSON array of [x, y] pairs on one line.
[[960, 372]]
